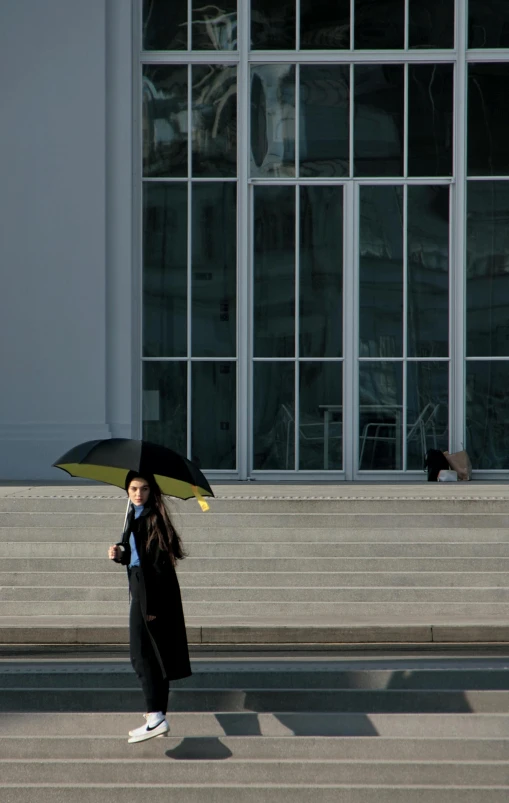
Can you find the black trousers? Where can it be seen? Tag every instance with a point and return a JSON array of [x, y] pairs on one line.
[[143, 658]]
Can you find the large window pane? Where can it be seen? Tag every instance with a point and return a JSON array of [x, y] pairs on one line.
[[320, 416], [165, 270], [379, 108], [430, 119], [428, 272], [273, 120], [214, 269], [488, 119], [488, 269], [274, 271], [487, 414], [214, 27], [324, 24], [321, 271], [165, 404], [381, 272], [165, 123], [213, 421], [324, 120], [431, 23], [427, 424], [214, 138], [379, 24], [273, 25], [380, 416], [488, 23], [164, 26], [274, 416]]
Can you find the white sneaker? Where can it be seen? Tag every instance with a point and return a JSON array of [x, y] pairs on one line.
[[156, 725]]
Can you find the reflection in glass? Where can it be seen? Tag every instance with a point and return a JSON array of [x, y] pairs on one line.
[[274, 416], [324, 25], [324, 120], [321, 416], [379, 108], [380, 416], [213, 414], [430, 119], [431, 24], [381, 272], [274, 271], [488, 23], [214, 269], [273, 25], [164, 29], [165, 404], [427, 410], [165, 270], [379, 24], [214, 138], [273, 120], [214, 27], [165, 123], [321, 271], [428, 272], [488, 119], [486, 414], [488, 268]]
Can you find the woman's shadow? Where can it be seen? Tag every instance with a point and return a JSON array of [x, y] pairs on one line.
[[200, 748]]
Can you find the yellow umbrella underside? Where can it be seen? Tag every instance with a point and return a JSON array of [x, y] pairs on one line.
[[117, 477]]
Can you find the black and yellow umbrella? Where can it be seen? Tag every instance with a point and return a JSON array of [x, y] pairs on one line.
[[111, 460]]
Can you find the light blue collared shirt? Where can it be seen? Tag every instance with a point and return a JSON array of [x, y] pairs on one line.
[[135, 558]]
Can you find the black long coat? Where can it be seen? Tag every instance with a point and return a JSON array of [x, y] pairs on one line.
[[159, 597]]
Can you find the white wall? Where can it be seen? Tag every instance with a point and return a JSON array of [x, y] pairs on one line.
[[55, 290]]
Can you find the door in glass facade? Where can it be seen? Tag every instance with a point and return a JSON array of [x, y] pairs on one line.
[[323, 226]]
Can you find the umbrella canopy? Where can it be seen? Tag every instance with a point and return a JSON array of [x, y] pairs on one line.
[[111, 460]]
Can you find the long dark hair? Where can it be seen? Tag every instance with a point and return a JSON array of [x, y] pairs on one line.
[[160, 529]]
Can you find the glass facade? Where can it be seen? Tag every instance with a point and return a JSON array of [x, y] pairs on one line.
[[324, 200]]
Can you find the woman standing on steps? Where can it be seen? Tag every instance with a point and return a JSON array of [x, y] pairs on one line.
[[150, 548]]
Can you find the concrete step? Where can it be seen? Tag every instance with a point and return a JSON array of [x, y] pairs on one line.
[[424, 727], [271, 565], [254, 550], [299, 610], [467, 502], [114, 576], [253, 521], [131, 770], [212, 535], [254, 793], [112, 698], [29, 593], [354, 748]]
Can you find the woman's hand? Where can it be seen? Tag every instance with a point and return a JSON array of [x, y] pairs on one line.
[[150, 618], [114, 552]]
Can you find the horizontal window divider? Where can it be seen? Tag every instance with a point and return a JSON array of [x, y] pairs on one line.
[[298, 359], [213, 57], [488, 178], [338, 181], [353, 56], [487, 55], [487, 359], [404, 359], [188, 179], [189, 359]]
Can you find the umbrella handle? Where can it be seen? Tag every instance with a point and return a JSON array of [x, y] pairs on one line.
[[126, 515]]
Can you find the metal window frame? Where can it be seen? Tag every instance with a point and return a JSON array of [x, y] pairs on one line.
[[244, 58]]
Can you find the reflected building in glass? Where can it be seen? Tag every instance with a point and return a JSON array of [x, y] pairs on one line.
[[323, 228]]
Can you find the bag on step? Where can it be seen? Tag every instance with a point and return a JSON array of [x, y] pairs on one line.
[[447, 475], [434, 462], [460, 462]]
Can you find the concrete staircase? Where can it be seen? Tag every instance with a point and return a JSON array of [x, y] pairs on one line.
[[337, 730], [335, 564]]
